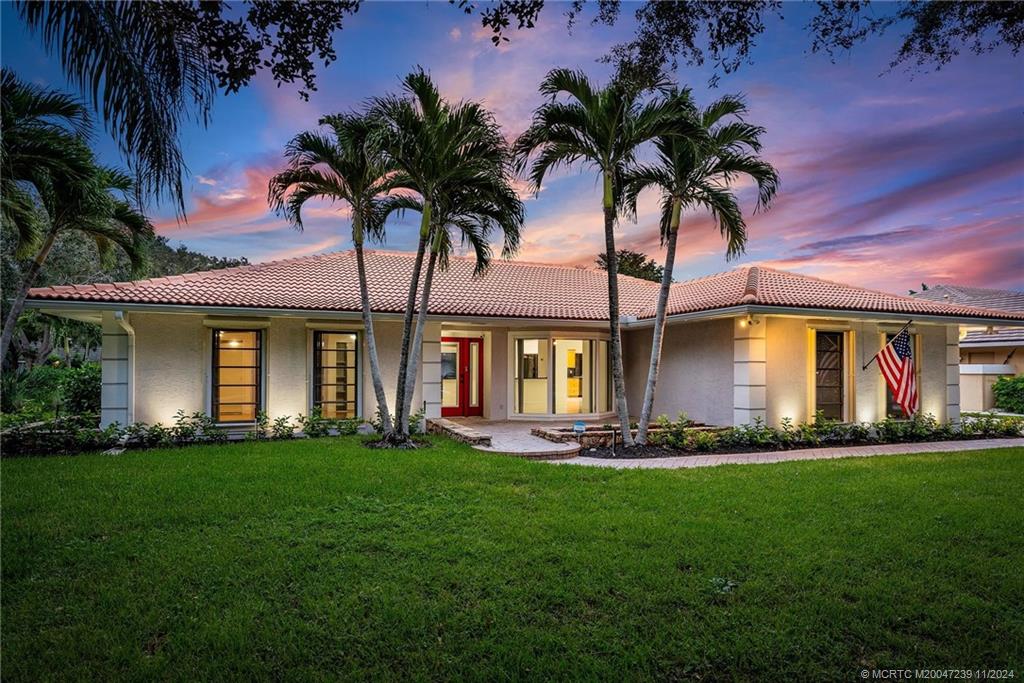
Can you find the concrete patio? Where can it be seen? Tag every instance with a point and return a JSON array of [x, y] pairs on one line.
[[514, 438]]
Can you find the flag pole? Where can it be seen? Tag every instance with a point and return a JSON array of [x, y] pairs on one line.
[[875, 357]]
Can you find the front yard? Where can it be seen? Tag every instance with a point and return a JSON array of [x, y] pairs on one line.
[[319, 559]]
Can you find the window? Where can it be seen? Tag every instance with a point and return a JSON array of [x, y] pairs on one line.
[[237, 375], [580, 382], [336, 374], [531, 376], [828, 374]]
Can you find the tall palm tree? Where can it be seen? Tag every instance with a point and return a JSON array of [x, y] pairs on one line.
[[95, 205], [601, 128], [441, 150], [471, 213], [341, 166], [698, 171], [39, 144]]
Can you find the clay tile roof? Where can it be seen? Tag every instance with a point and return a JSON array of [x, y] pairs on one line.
[[1001, 299], [509, 289]]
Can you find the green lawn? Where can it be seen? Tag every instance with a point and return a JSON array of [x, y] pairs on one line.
[[320, 559]]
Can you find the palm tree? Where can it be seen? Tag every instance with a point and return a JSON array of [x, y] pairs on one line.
[[603, 129], [698, 171], [470, 212], [97, 206], [442, 151], [39, 144], [341, 166]]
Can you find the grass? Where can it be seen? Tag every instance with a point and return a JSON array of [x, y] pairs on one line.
[[319, 559]]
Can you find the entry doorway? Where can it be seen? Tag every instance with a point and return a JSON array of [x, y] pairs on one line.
[[462, 376]]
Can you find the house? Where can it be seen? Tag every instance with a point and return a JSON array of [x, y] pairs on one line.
[[986, 353], [523, 341]]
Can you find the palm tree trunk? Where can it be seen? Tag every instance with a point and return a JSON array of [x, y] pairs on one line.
[[407, 322], [618, 374], [417, 345], [371, 340], [18, 303], [659, 322]]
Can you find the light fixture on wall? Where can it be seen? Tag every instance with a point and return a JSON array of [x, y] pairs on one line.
[[749, 321]]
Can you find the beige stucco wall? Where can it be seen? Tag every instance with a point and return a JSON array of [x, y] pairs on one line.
[[696, 370], [788, 391], [172, 365]]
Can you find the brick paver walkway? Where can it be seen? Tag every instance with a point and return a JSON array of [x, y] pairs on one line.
[[786, 456]]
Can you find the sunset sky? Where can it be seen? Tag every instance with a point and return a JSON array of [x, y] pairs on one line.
[[888, 179]]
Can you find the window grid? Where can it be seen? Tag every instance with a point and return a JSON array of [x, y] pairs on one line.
[[346, 364], [257, 371]]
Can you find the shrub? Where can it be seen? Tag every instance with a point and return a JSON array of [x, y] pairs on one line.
[[80, 389], [314, 425], [702, 441], [1009, 394], [282, 428], [66, 435]]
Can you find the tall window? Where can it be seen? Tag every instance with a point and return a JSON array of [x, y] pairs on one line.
[[580, 383], [237, 375], [336, 374], [531, 376], [828, 374]]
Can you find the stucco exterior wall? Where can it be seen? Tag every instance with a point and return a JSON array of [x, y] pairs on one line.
[[696, 370], [172, 365], [788, 366]]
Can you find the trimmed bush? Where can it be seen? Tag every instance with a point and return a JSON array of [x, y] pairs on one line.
[[1009, 394], [80, 389]]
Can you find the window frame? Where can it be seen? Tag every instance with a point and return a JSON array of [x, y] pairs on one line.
[[215, 368], [316, 370]]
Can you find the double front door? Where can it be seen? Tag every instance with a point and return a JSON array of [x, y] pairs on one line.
[[462, 377]]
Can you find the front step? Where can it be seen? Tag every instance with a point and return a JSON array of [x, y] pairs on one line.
[[439, 425]]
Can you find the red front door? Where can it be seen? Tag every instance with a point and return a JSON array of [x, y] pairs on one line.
[[462, 376]]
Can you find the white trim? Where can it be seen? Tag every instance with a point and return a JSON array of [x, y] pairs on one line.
[[986, 369], [710, 314]]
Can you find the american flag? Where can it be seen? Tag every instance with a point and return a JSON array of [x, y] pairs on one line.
[[897, 364]]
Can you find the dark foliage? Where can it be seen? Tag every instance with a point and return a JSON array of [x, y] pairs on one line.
[[1009, 394], [724, 32], [634, 264]]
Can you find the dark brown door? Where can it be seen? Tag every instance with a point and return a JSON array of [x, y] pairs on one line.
[[828, 375]]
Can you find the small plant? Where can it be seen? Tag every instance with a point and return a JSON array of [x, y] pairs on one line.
[[261, 427], [184, 429], [282, 428], [702, 441], [314, 425]]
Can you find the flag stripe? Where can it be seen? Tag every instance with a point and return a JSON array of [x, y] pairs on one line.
[[896, 361]]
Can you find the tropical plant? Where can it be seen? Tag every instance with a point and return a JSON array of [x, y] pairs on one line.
[[698, 171], [95, 205], [454, 158], [602, 128], [340, 165], [39, 144], [1009, 394], [148, 67]]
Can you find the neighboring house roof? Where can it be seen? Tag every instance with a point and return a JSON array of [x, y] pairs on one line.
[[1002, 337], [1000, 299], [509, 289]]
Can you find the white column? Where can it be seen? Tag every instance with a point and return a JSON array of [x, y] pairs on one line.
[[430, 371], [116, 373], [749, 371], [953, 374]]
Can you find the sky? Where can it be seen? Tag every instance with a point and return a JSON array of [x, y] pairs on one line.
[[889, 179]]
